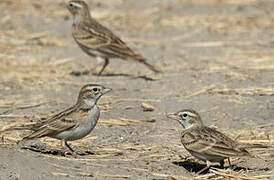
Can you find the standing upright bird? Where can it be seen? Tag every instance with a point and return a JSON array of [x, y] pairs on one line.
[[206, 143], [97, 40], [71, 124]]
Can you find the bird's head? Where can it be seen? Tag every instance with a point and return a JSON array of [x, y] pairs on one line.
[[91, 93], [78, 8], [187, 118]]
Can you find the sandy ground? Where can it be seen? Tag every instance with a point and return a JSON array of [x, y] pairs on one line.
[[216, 57]]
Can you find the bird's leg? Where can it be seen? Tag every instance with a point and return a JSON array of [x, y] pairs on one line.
[[229, 163], [67, 148], [106, 62], [205, 168], [100, 61], [222, 164]]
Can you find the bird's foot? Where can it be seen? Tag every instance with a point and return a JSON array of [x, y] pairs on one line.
[[69, 152]]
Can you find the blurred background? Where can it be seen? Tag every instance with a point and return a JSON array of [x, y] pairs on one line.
[[216, 56]]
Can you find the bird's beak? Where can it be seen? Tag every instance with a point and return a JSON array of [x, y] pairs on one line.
[[172, 116], [106, 90]]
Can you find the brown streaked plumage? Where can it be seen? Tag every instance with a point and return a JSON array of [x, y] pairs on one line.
[[206, 143], [71, 124], [97, 40]]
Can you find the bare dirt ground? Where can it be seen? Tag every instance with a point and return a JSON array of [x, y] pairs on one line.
[[216, 55]]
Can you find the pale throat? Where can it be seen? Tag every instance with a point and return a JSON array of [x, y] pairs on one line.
[[90, 103], [76, 19], [186, 124]]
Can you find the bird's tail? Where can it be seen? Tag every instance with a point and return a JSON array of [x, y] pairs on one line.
[[151, 67], [29, 126], [251, 146], [254, 146], [142, 60]]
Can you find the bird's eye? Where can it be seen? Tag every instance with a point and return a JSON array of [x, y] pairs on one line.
[[70, 4], [184, 115], [95, 89]]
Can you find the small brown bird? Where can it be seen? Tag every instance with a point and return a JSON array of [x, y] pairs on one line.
[[206, 143], [71, 124], [97, 40]]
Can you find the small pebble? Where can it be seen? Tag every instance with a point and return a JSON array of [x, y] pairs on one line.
[[147, 107]]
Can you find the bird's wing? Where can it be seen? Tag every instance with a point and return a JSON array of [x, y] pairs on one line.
[[97, 37], [89, 37], [211, 142], [56, 124]]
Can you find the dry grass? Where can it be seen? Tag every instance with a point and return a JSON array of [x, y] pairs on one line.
[[132, 152]]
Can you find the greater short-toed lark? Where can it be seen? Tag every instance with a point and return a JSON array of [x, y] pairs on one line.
[[206, 143], [71, 124], [97, 40]]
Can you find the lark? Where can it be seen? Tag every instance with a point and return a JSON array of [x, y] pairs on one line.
[[97, 40], [71, 124], [206, 143]]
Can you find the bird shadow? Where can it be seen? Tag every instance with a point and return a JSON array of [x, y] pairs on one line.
[[56, 152], [196, 167], [85, 73], [37, 146], [43, 150]]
